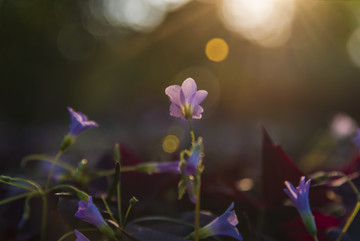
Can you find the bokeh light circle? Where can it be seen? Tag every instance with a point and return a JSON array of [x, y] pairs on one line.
[[216, 49], [170, 143]]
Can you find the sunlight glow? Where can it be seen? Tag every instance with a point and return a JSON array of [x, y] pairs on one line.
[[265, 22], [139, 15], [353, 47], [216, 49]]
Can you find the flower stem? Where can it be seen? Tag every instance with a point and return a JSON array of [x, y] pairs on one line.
[[101, 173], [191, 133], [132, 201], [108, 209], [81, 194], [44, 216], [161, 218], [315, 238], [44, 197], [13, 198], [349, 221], [357, 206], [52, 169], [46, 158], [18, 185], [348, 179], [118, 197], [197, 208]]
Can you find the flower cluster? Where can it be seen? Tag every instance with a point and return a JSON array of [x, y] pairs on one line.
[[277, 170]]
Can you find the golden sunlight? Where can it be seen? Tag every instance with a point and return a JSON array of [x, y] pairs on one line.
[[265, 22]]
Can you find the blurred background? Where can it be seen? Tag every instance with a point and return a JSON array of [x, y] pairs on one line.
[[289, 65]]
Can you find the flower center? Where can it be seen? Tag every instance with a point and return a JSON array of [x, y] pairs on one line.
[[187, 111]]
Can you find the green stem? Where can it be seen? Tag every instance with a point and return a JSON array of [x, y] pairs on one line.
[[118, 197], [191, 133], [18, 185], [160, 218], [34, 184], [44, 216], [349, 221], [127, 214], [52, 169], [46, 158], [132, 201], [350, 182], [315, 238], [10, 199], [197, 209], [81, 194], [108, 209], [357, 206], [103, 173]]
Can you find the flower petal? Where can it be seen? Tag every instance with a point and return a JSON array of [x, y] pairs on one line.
[[198, 110], [173, 91], [175, 110], [189, 89], [80, 236], [190, 186], [168, 167], [225, 224], [79, 123], [291, 191], [88, 212], [198, 98]]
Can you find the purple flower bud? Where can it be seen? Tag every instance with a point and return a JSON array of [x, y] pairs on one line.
[[80, 236], [79, 123], [88, 212], [159, 167], [186, 99], [222, 225], [167, 167], [300, 198]]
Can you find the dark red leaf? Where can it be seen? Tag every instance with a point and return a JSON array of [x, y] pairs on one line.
[[277, 168], [295, 230]]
